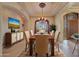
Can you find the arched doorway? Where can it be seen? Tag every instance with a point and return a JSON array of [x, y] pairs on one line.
[[70, 24]]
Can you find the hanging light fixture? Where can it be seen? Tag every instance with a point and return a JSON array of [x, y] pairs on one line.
[[42, 5]]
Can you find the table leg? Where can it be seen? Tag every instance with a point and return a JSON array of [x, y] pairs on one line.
[[52, 47], [74, 47], [30, 48]]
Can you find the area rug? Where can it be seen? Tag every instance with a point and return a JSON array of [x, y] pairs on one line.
[[56, 53], [59, 53]]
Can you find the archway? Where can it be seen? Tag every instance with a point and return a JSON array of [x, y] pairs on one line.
[[70, 24]]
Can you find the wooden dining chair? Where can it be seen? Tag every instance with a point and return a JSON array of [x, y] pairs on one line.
[[56, 39], [41, 46], [27, 37]]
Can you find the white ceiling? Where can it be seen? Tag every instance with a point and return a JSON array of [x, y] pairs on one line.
[[33, 9]]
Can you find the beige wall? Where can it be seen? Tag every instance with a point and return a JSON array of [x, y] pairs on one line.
[[0, 37], [14, 8], [4, 14], [78, 24], [8, 13], [59, 21], [1, 34], [32, 20]]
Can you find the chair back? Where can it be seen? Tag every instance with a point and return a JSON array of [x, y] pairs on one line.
[[52, 32], [56, 35], [27, 34], [24, 36], [41, 46], [31, 32]]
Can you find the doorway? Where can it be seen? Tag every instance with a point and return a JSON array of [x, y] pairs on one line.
[[70, 24]]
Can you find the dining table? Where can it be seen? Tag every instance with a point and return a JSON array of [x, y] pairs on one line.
[[75, 36], [32, 39]]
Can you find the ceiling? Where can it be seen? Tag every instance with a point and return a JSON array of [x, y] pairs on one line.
[[33, 9]]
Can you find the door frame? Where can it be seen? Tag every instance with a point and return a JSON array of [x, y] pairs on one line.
[[65, 24]]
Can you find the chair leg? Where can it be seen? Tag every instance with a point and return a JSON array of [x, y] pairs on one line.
[[36, 54], [33, 49], [25, 47], [58, 48], [74, 47], [47, 55]]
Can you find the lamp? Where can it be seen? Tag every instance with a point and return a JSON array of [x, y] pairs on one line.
[[42, 5]]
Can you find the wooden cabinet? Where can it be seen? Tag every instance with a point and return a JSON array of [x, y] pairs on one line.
[[12, 38], [7, 40]]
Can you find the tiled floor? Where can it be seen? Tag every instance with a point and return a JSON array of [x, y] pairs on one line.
[[66, 46]]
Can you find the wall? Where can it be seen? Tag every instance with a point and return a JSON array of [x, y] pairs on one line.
[[1, 34], [7, 13], [32, 20], [4, 14], [16, 8], [59, 21]]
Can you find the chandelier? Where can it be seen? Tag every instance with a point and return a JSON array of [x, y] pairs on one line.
[[42, 5]]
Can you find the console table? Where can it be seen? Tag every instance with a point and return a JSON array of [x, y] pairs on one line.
[[12, 38]]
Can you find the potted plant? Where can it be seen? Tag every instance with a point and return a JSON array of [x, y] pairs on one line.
[[53, 27]]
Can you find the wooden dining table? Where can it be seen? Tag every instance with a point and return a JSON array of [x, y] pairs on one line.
[[32, 39]]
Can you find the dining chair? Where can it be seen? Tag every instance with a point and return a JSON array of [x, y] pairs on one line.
[[27, 37], [56, 39], [52, 32], [41, 46], [31, 32]]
